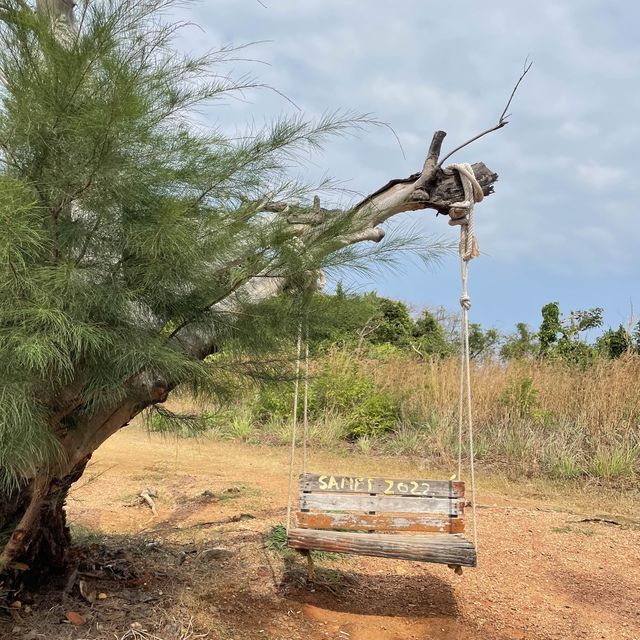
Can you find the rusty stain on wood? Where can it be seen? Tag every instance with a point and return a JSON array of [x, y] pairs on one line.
[[425, 523]]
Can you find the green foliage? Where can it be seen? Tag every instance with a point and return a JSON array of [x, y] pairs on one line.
[[339, 389], [385, 352], [560, 337], [613, 344], [394, 324], [429, 338], [123, 223], [160, 420], [615, 462], [343, 389], [550, 327], [375, 415], [520, 345], [340, 318], [274, 401], [521, 396], [482, 342]]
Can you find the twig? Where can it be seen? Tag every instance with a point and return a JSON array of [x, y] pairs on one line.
[[502, 121], [149, 500], [413, 346], [527, 65]]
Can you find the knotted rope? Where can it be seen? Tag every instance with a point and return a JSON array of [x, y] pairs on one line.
[[461, 214]]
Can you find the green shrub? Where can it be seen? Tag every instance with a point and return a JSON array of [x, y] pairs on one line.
[[565, 464], [521, 396], [385, 351], [340, 386], [273, 401], [373, 417], [339, 390], [613, 463], [521, 399], [406, 440]]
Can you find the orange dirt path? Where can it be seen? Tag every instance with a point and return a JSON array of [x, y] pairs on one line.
[[540, 575]]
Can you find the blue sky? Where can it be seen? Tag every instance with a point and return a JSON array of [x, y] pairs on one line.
[[564, 221]]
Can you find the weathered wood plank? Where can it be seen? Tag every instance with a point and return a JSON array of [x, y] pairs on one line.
[[386, 504], [445, 549], [425, 523], [312, 482]]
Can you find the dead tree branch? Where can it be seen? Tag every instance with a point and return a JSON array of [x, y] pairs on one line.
[[502, 120]]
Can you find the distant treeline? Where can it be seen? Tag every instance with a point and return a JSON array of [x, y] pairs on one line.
[[369, 319]]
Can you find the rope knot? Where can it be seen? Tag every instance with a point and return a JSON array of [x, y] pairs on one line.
[[465, 302], [461, 213]]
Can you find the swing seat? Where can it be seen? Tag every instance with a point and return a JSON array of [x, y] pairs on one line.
[[419, 520]]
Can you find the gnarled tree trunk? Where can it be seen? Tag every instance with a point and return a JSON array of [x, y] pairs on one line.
[[39, 541], [34, 535]]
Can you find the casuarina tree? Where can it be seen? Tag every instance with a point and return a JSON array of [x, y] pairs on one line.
[[133, 237]]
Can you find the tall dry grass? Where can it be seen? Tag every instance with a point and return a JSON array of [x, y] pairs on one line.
[[531, 418], [545, 417]]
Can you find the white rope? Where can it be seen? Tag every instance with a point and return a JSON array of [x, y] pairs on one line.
[[305, 405], [461, 214], [294, 426]]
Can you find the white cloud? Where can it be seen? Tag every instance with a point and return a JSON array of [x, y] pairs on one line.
[[599, 177], [578, 129]]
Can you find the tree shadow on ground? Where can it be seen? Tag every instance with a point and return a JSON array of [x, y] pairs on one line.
[[389, 594], [124, 584]]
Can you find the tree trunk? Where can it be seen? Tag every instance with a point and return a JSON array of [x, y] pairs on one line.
[[34, 528]]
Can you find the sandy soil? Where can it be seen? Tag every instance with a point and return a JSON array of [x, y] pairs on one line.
[[200, 568]]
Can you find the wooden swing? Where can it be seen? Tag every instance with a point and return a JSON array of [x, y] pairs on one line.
[[403, 519]]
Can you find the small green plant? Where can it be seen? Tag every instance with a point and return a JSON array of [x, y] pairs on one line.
[[405, 440], [613, 463], [365, 445], [569, 529], [522, 397], [566, 467], [240, 426], [82, 535], [276, 538]]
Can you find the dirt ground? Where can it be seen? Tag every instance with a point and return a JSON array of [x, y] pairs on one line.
[[200, 569]]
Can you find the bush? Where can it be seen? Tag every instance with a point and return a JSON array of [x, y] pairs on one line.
[[376, 415], [340, 389], [521, 398], [273, 402]]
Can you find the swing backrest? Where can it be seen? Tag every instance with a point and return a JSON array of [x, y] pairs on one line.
[[357, 503]]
